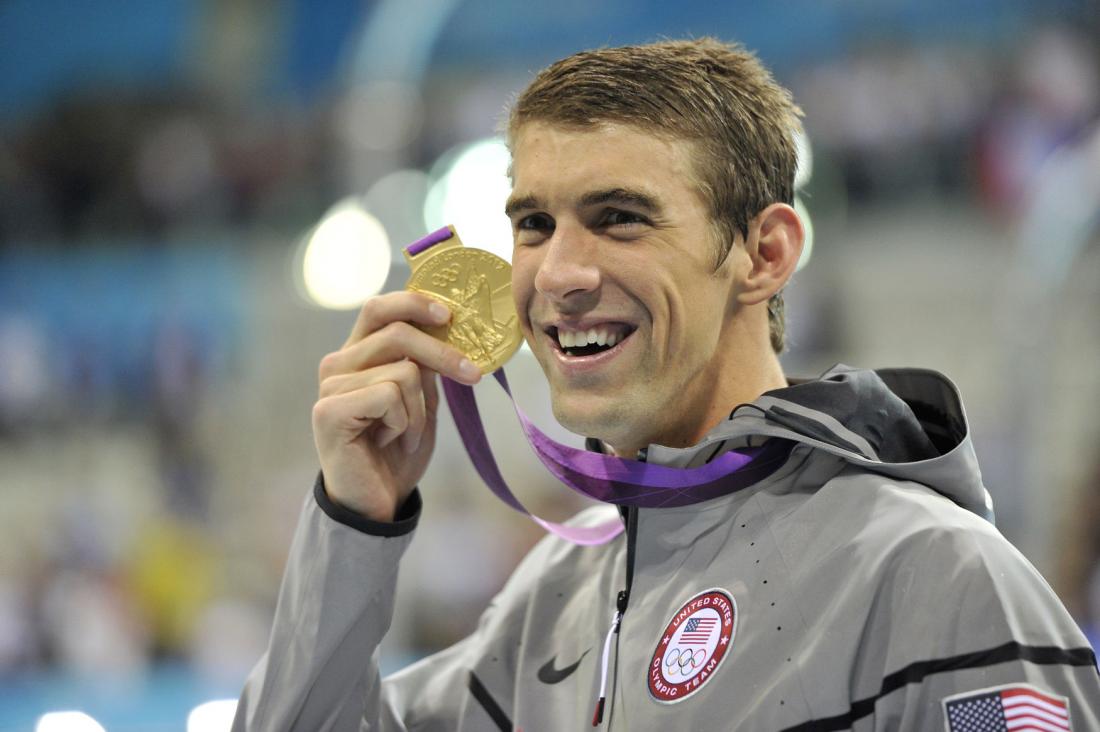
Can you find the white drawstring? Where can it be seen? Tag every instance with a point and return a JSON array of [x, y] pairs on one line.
[[597, 716]]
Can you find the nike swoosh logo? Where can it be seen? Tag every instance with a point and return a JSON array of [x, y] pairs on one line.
[[550, 675]]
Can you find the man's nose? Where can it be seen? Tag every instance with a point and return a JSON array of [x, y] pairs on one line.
[[569, 266]]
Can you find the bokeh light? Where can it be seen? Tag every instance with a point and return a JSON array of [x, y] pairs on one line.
[[346, 257], [68, 722], [470, 189], [213, 716]]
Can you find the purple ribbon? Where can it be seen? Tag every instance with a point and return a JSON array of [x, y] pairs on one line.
[[429, 241], [603, 477]]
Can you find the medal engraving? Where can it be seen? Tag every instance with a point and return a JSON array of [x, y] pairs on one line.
[[477, 288]]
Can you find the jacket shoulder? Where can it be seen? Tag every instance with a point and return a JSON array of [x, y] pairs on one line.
[[901, 554], [927, 601]]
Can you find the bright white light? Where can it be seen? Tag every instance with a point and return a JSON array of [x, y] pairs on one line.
[[347, 257], [808, 227], [67, 722], [804, 170], [470, 195], [213, 716]]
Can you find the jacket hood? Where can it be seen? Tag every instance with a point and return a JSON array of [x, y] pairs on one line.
[[907, 424]]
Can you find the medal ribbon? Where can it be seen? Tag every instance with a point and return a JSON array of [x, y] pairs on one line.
[[605, 478]]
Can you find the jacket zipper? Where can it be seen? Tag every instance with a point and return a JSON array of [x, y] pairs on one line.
[[621, 602], [631, 543]]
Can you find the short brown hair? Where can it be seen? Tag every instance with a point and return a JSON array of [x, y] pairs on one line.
[[715, 94]]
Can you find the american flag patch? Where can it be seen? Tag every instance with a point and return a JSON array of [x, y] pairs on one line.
[[697, 631], [1014, 708]]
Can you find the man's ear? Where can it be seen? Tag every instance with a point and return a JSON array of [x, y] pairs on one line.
[[774, 246]]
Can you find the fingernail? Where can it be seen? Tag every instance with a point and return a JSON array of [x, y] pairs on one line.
[[438, 312], [468, 369]]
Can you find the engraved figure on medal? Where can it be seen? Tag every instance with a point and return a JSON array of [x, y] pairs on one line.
[[477, 334]]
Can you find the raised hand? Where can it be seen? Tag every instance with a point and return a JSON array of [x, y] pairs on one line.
[[375, 419]]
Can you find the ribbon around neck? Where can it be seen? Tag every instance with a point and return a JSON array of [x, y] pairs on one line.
[[605, 478]]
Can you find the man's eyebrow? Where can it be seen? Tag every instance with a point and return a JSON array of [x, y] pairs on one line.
[[524, 203], [622, 196]]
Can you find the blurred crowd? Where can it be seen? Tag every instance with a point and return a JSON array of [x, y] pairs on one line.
[[134, 224]]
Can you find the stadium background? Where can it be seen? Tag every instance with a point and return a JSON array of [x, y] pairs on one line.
[[179, 184]]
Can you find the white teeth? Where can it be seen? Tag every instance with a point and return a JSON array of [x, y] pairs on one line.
[[579, 338]]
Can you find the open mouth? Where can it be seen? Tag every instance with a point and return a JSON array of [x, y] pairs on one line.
[[580, 343]]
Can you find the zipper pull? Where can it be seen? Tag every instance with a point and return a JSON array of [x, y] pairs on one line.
[[597, 716]]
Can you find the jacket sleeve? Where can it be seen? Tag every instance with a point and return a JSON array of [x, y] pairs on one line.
[[974, 629], [320, 671]]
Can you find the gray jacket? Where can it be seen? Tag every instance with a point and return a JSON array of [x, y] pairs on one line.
[[856, 582]]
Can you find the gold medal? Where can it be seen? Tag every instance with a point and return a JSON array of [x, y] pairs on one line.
[[476, 286]]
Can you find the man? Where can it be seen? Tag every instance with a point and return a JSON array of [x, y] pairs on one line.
[[845, 578]]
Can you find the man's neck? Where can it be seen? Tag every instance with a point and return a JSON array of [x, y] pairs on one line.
[[768, 376]]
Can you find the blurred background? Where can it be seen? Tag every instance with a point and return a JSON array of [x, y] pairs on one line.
[[194, 195]]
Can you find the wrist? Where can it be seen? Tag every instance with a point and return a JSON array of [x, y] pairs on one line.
[[400, 520]]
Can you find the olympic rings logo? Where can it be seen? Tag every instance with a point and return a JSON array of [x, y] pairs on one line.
[[684, 660]]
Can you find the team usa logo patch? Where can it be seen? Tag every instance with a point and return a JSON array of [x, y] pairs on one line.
[[692, 646], [999, 709]]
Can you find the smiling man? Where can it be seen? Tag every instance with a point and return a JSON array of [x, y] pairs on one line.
[[820, 555]]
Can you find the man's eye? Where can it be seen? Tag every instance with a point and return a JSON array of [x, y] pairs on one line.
[[615, 217], [533, 229], [535, 222]]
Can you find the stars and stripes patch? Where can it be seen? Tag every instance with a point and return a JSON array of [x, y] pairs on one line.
[[697, 631], [1011, 708]]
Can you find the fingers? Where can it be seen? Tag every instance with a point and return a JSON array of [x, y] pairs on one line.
[[408, 379], [352, 412], [396, 306], [384, 332], [422, 409], [395, 423], [383, 378], [396, 341]]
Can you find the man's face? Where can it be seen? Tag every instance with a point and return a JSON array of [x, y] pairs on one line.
[[613, 244]]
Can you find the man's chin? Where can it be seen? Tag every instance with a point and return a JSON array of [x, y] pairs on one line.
[[587, 418]]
